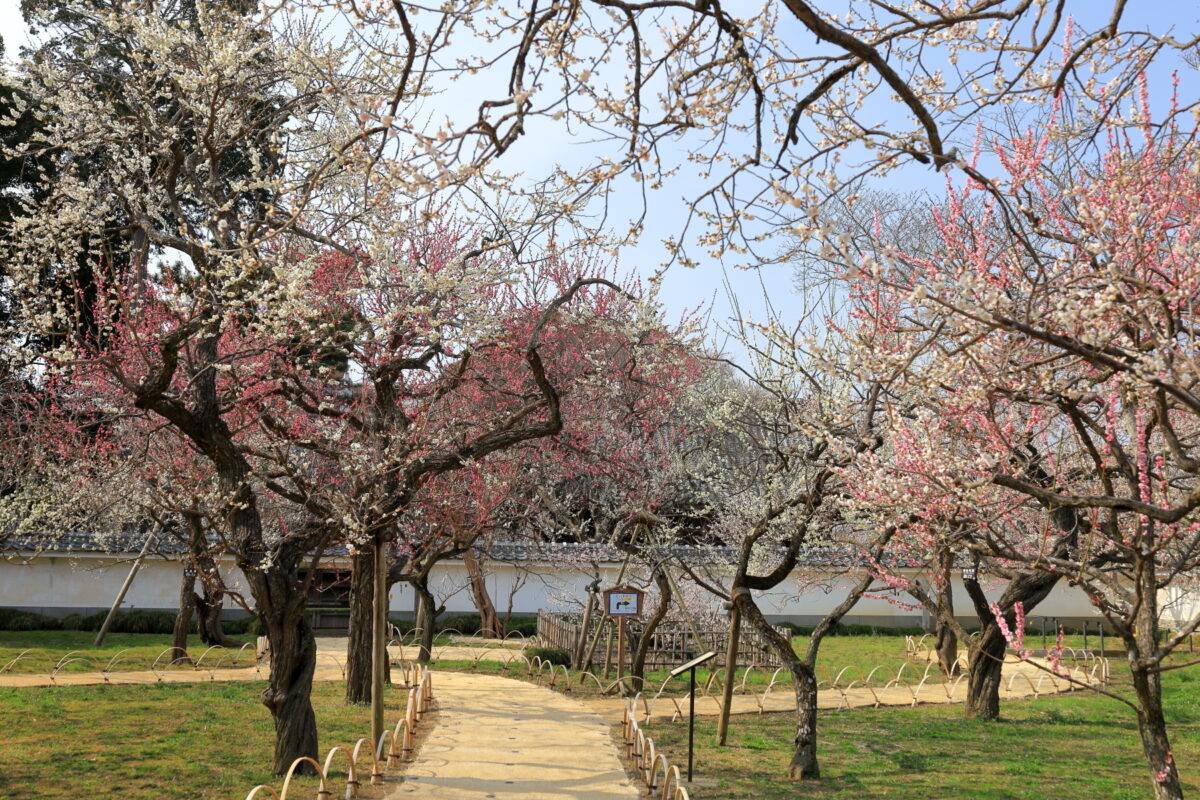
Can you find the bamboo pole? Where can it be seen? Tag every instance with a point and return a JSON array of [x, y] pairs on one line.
[[696, 637]]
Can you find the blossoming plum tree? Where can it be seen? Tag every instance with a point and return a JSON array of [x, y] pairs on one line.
[[234, 169], [1042, 378]]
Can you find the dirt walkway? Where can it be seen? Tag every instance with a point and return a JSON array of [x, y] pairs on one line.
[[507, 739]]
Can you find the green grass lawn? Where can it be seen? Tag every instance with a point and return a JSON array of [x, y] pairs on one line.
[[192, 742], [136, 651], [207, 740], [1075, 747]]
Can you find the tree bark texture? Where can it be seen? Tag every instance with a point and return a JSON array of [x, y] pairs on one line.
[[1152, 727], [208, 605], [985, 673], [358, 643], [208, 608], [1142, 647], [283, 612], [946, 640]]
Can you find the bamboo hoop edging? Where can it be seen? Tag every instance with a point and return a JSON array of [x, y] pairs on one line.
[[640, 748], [420, 695], [351, 773]]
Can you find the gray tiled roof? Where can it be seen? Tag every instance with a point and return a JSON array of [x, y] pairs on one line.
[[514, 551], [87, 542]]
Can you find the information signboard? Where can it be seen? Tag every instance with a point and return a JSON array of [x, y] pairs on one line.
[[623, 601]]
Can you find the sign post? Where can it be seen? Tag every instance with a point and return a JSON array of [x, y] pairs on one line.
[[690, 667], [622, 602]]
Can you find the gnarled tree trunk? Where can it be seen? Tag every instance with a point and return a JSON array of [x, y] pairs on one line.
[[282, 608], [1027, 588], [358, 642], [1141, 643], [985, 673], [208, 608], [489, 620], [1152, 727], [947, 640], [804, 758]]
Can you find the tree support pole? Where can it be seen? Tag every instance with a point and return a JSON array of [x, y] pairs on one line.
[[620, 648], [731, 654], [112, 612], [378, 638], [608, 649], [691, 721]]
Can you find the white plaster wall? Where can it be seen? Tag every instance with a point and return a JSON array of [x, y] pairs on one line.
[[59, 582], [89, 582], [1179, 604]]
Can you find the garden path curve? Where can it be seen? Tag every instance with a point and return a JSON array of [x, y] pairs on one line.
[[507, 739]]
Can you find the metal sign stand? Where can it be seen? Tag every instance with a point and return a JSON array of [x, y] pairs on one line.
[[690, 667]]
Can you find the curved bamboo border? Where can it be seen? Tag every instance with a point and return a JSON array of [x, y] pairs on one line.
[[650, 763], [420, 697]]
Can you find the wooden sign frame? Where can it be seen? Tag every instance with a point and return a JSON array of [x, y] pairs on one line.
[[623, 601]]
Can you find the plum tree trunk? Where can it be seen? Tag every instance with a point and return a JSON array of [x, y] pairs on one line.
[[947, 649], [637, 670], [288, 696], [489, 620], [183, 618], [426, 614], [1141, 644], [804, 758], [986, 673], [208, 607], [358, 643], [1152, 727], [284, 616], [947, 641], [804, 765]]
